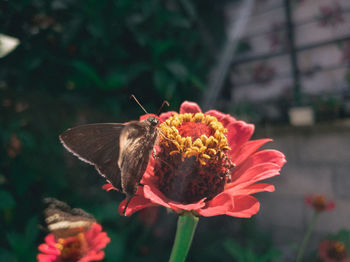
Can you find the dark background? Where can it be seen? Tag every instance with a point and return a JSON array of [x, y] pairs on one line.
[[78, 62]]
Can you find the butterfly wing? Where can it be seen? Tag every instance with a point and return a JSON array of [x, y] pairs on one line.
[[98, 145], [63, 221]]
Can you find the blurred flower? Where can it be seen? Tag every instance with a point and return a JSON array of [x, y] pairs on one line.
[[263, 73], [319, 203], [205, 164], [331, 15], [332, 251], [7, 44], [14, 147], [346, 53], [277, 36], [84, 247]]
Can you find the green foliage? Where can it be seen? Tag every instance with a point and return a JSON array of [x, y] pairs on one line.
[[341, 236], [248, 254], [78, 62]]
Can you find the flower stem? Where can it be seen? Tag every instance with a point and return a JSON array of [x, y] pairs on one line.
[[307, 237], [186, 226]]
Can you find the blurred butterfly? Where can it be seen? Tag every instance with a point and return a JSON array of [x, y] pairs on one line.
[[63, 221], [119, 152]]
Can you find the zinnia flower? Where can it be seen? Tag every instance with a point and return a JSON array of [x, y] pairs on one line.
[[205, 163], [319, 203], [84, 247], [332, 251]]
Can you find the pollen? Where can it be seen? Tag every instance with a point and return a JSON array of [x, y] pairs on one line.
[[195, 135], [72, 247], [339, 247]]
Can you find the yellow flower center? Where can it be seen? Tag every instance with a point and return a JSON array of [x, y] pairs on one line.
[[72, 248], [192, 163], [198, 135], [339, 247]]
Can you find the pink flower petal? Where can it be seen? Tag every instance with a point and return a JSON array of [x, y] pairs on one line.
[[253, 174], [226, 204], [189, 107], [238, 133], [166, 115], [136, 203], [244, 206], [154, 194], [225, 119], [260, 157], [109, 187], [143, 117], [219, 205], [93, 256], [330, 206], [248, 148], [188, 207], [46, 258], [252, 189]]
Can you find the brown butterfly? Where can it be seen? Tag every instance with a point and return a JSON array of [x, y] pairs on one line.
[[63, 221], [119, 152]]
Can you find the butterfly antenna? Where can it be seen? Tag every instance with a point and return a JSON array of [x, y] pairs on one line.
[[161, 107], [137, 101]]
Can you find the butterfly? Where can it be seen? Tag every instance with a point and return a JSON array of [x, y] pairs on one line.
[[63, 221], [119, 152]]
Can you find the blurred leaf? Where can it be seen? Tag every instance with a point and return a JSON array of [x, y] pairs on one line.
[[116, 249], [23, 245], [234, 249], [178, 70], [247, 254], [124, 76], [6, 200], [7, 256], [31, 230], [164, 84], [106, 212], [88, 71], [160, 47]]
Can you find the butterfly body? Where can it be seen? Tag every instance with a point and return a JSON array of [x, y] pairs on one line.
[[136, 143], [119, 152]]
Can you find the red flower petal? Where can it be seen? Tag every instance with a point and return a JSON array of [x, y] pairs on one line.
[[109, 187], [188, 207], [242, 178], [46, 258], [245, 206], [49, 247], [189, 107], [136, 203], [166, 115], [143, 117], [261, 157], [252, 189], [248, 148], [225, 119], [330, 206], [238, 206], [238, 133], [93, 256]]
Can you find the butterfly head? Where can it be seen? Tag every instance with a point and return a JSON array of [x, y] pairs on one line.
[[153, 121]]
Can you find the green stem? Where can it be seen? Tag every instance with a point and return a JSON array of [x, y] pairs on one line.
[[186, 226], [307, 237]]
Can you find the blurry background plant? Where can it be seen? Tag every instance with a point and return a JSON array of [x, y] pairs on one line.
[[78, 62]]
